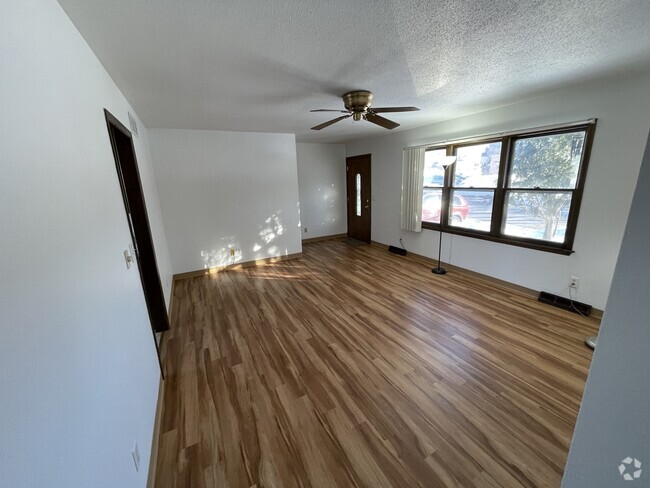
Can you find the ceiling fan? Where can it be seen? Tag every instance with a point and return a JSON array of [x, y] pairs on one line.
[[357, 105]]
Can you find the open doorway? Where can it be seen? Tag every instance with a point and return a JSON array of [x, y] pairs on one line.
[[136, 214]]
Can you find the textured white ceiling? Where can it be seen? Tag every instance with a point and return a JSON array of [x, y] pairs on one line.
[[249, 65]]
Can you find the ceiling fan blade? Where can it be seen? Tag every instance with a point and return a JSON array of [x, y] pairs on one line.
[[333, 121], [381, 121], [380, 110], [328, 110]]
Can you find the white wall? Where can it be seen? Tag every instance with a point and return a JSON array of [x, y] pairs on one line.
[[613, 421], [226, 189], [321, 181], [622, 108], [78, 368]]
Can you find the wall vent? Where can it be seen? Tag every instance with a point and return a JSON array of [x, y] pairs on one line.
[[134, 124], [565, 303]]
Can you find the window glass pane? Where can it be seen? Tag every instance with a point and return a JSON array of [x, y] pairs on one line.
[[431, 205], [547, 161], [537, 215], [471, 209], [358, 195], [434, 173], [477, 166]]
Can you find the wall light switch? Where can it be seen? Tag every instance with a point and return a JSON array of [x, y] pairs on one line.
[[128, 257]]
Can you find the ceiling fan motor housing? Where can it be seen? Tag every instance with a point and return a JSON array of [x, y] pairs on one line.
[[357, 105], [357, 102]]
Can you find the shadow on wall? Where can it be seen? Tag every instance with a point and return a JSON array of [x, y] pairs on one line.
[[228, 254], [269, 231], [271, 228], [229, 251], [328, 196]]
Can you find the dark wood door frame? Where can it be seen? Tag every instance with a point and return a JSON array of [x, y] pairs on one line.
[[136, 213], [359, 226]]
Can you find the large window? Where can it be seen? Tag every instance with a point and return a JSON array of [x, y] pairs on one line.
[[523, 189]]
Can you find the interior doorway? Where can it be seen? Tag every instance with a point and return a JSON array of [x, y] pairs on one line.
[[359, 197], [136, 214]]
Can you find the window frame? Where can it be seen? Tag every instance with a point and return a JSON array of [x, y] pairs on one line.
[[496, 234], [452, 175], [441, 188]]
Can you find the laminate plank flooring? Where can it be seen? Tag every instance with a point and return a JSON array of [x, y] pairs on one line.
[[354, 367]]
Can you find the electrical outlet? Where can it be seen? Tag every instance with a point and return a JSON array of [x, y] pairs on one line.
[[305, 230], [136, 456], [574, 281], [232, 252]]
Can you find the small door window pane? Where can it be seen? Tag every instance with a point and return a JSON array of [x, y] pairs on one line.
[[358, 194], [477, 166], [537, 215]]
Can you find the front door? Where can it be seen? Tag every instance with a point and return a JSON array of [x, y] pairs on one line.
[[359, 196]]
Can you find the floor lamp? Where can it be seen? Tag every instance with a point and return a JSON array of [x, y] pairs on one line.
[[449, 160]]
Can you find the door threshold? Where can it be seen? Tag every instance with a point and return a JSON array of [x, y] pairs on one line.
[[356, 242]]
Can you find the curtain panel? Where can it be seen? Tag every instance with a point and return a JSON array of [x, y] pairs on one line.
[[412, 179]]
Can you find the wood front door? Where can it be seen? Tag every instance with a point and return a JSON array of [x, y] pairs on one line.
[[359, 197]]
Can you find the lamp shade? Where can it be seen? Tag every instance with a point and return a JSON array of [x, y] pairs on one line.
[[448, 161]]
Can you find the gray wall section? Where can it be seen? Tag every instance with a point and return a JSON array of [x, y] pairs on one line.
[[614, 420]]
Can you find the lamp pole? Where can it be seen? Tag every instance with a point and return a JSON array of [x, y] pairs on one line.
[[439, 270]]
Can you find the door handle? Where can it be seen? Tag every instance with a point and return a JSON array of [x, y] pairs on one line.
[[367, 206]]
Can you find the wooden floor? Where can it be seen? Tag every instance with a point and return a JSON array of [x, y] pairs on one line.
[[354, 367]]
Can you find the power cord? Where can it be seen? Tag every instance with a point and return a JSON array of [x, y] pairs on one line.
[[422, 264], [573, 306], [590, 341]]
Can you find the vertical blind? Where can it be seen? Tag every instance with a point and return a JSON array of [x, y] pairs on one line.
[[412, 177]]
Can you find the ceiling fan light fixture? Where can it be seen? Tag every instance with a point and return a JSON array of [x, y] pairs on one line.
[[357, 105]]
